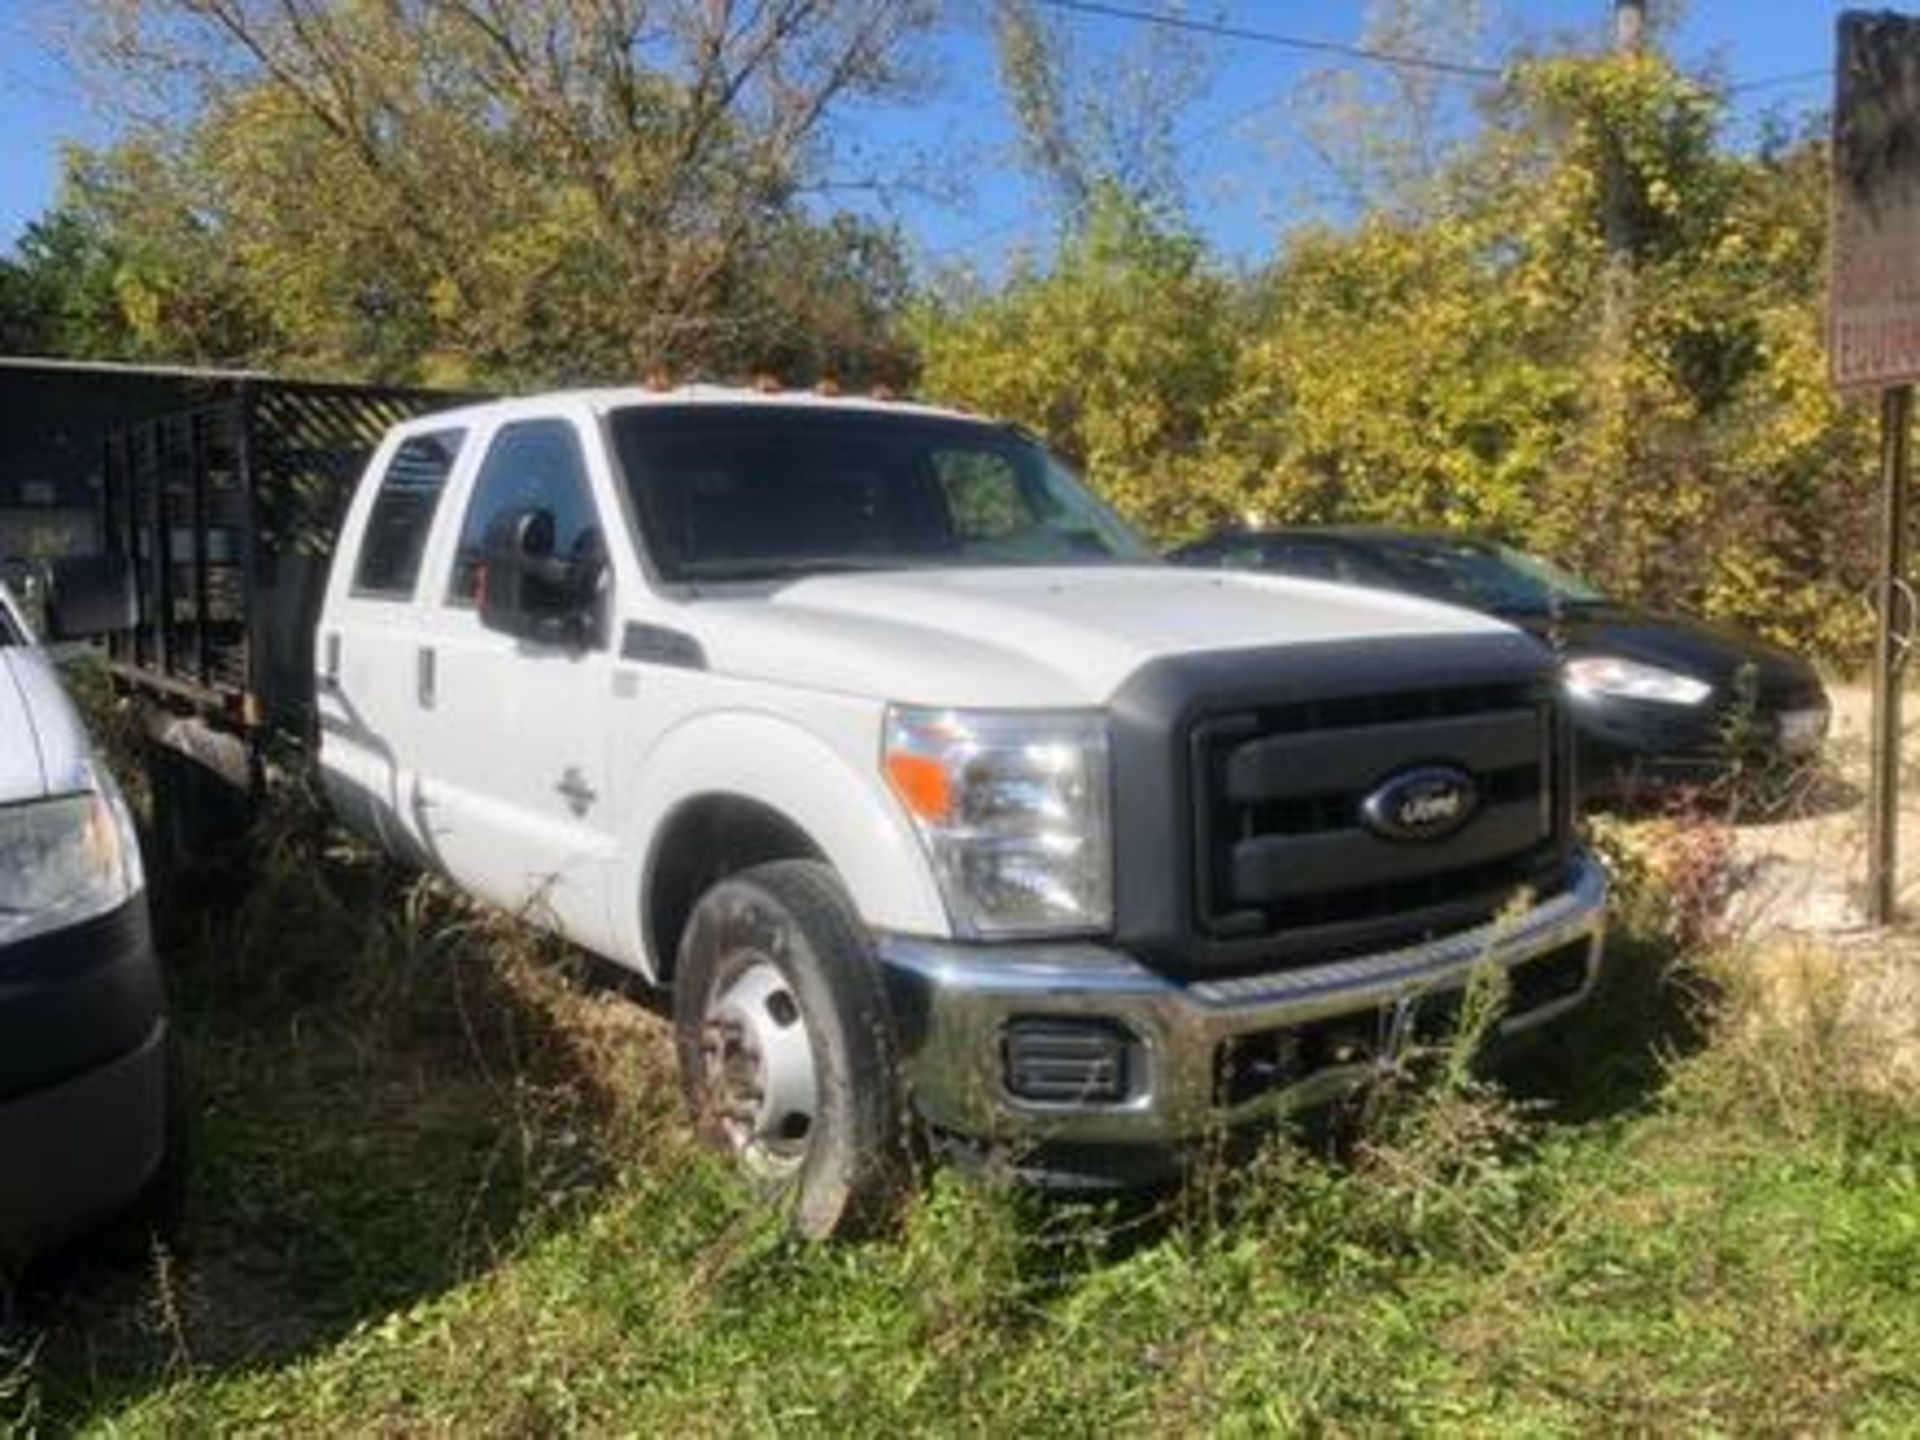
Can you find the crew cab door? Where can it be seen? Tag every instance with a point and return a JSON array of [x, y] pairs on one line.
[[515, 729], [369, 635]]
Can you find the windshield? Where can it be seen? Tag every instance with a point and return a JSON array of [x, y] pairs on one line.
[[746, 492], [1485, 576]]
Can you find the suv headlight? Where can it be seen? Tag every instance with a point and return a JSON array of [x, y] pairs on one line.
[[65, 860], [1013, 809], [1632, 680]]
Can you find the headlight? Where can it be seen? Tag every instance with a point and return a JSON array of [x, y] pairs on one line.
[[1013, 809], [65, 860], [1631, 680]]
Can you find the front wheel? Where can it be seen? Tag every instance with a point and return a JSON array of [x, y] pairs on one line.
[[786, 1046]]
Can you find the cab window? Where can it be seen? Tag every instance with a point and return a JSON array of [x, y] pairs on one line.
[[532, 464], [402, 514]]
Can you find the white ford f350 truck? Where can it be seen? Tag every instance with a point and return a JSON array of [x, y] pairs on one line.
[[944, 808]]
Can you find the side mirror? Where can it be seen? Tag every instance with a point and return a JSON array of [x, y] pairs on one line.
[[527, 590], [89, 596]]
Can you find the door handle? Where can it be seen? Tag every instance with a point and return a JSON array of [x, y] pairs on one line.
[[423, 676], [330, 669]]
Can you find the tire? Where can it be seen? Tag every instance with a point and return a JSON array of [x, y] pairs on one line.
[[786, 1047]]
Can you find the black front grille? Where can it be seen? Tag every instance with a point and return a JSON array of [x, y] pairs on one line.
[[1238, 781], [1281, 851]]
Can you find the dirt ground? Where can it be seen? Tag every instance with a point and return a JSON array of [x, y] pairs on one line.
[[1799, 901], [1804, 870]]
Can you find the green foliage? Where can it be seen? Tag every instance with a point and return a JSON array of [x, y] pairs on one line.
[[474, 193], [59, 290], [1596, 333], [1114, 354]]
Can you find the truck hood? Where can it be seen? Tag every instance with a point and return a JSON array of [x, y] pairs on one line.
[[43, 746], [1031, 637]]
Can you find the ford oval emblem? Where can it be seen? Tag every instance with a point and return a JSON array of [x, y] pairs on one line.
[[1422, 804]]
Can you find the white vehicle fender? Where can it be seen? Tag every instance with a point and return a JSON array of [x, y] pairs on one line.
[[845, 811]]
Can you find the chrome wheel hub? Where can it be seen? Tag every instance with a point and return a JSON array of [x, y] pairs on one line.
[[761, 1078]]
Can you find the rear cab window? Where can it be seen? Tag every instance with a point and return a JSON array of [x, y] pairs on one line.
[[397, 526]]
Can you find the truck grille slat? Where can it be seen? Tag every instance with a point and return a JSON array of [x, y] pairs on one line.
[[1270, 868], [1334, 810], [1277, 766]]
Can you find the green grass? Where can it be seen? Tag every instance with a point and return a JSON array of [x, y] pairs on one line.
[[441, 1185]]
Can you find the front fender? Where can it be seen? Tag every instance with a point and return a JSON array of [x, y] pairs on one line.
[[843, 809]]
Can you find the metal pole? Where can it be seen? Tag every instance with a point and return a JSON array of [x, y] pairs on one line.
[[1629, 25], [1896, 423]]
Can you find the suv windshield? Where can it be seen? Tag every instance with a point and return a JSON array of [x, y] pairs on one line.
[[1484, 576], [749, 492]]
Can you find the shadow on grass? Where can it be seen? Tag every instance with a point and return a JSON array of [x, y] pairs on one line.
[[388, 1092], [1611, 1056]]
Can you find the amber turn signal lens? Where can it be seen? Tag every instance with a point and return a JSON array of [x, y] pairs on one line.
[[922, 785]]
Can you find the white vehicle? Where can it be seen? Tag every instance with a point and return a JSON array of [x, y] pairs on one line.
[[84, 1082], [944, 808]]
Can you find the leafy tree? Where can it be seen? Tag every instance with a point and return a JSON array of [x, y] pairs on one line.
[[486, 190], [58, 291], [1091, 129], [1118, 354], [1455, 362], [1385, 134], [27, 312]]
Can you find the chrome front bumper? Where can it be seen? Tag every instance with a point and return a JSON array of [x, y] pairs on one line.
[[954, 1002]]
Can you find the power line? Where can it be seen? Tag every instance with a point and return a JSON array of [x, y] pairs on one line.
[[1308, 45], [1301, 43], [1768, 82], [1313, 46]]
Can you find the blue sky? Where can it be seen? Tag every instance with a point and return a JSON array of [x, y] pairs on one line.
[[1247, 174]]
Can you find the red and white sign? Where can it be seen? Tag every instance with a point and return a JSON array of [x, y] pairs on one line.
[[1874, 336]]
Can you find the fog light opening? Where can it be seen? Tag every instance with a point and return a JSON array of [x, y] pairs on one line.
[[1559, 974], [1064, 1061]]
